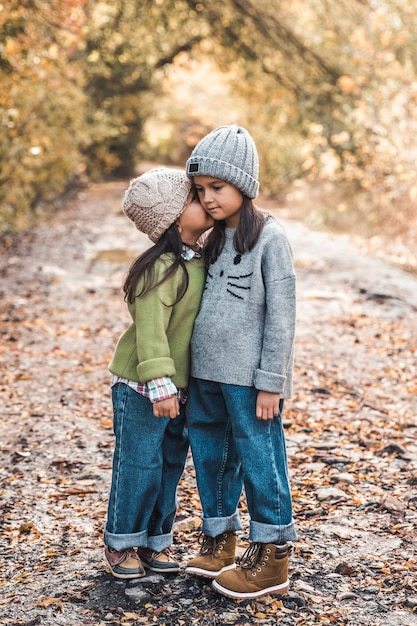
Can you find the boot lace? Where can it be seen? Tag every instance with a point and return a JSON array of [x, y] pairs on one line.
[[167, 552], [211, 545], [251, 556], [256, 555], [208, 544]]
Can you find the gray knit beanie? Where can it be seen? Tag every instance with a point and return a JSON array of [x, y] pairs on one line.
[[156, 199], [228, 153]]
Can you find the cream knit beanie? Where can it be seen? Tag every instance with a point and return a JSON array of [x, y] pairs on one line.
[[156, 199], [228, 153]]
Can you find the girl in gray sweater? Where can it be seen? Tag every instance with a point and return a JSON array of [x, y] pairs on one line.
[[242, 363]]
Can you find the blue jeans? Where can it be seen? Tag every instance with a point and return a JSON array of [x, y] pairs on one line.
[[149, 458], [231, 448]]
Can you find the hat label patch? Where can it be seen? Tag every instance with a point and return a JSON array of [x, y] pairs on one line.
[[193, 168]]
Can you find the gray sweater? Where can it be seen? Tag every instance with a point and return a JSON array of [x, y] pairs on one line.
[[244, 332]]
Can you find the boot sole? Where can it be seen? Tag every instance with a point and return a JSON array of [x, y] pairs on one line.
[[205, 573], [281, 590], [126, 575], [163, 569]]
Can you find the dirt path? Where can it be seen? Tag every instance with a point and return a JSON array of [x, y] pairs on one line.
[[351, 431]]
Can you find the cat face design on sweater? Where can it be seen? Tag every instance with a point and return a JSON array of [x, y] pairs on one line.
[[237, 284]]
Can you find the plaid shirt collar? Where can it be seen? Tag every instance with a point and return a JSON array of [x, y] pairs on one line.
[[189, 253]]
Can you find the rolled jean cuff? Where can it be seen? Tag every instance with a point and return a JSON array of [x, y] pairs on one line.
[[122, 542], [214, 526], [157, 543], [269, 533]]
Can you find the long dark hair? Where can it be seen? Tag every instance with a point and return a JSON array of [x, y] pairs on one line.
[[248, 231], [143, 266]]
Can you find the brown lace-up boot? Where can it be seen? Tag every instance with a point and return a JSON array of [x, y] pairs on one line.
[[262, 569], [217, 555]]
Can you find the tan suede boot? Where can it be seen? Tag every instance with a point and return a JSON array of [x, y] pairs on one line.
[[262, 569], [217, 555]]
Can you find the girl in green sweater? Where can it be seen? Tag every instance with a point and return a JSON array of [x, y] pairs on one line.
[[150, 370]]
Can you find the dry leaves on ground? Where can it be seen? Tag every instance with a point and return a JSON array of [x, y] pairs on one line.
[[351, 432]]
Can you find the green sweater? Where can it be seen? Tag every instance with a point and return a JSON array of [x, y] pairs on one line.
[[157, 343]]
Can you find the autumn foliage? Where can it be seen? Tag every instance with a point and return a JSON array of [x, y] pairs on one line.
[[41, 104], [328, 93]]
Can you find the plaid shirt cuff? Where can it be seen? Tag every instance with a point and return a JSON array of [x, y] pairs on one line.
[[161, 389]]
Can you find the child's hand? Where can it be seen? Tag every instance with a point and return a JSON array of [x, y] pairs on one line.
[[267, 405], [167, 408]]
